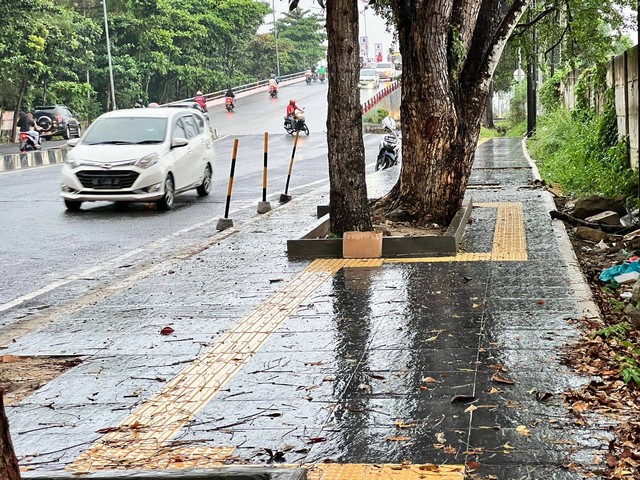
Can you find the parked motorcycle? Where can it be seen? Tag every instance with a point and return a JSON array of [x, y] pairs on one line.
[[390, 152], [229, 104], [273, 91], [300, 124], [27, 143]]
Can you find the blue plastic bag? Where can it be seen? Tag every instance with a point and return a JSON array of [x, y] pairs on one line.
[[610, 273]]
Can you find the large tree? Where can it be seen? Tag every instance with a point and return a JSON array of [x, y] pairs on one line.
[[8, 462]]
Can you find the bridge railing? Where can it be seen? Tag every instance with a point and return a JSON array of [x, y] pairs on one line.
[[373, 101], [243, 88]]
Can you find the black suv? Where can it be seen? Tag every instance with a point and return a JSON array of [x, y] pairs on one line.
[[57, 120]]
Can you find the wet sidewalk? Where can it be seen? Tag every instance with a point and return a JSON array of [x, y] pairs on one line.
[[357, 369]]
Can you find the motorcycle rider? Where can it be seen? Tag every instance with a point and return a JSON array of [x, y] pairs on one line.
[[273, 82], [28, 125], [231, 95], [139, 103], [307, 75], [200, 100], [322, 71], [291, 113]]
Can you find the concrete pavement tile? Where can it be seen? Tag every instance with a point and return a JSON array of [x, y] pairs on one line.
[[425, 361], [360, 443], [526, 472]]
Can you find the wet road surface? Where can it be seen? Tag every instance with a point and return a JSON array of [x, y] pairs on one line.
[[428, 362]]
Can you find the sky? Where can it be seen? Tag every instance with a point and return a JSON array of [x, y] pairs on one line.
[[375, 26]]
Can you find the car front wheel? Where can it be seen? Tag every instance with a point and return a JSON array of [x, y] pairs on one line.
[[166, 202], [67, 133], [205, 187]]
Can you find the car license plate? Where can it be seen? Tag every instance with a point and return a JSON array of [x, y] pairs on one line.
[[106, 182]]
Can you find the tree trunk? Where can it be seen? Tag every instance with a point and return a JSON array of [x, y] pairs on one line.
[[348, 192], [16, 112], [450, 50], [8, 462], [488, 122]]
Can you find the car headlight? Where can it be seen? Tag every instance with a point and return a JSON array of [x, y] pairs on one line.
[[148, 160]]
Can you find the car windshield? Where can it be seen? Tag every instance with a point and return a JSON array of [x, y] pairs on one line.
[[126, 131], [384, 65], [367, 72]]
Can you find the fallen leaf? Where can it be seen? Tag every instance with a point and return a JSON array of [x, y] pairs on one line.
[[463, 399], [365, 387], [428, 468], [397, 439], [580, 406], [497, 378], [401, 424], [316, 439], [429, 380], [541, 397], [275, 280], [450, 450], [441, 438], [166, 331], [108, 429], [470, 408], [522, 430], [314, 364], [474, 465], [376, 376]]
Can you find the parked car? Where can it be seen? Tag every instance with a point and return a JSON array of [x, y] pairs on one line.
[[369, 78], [139, 155], [386, 70], [57, 120], [194, 105]]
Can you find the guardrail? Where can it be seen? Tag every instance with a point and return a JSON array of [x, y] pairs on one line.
[[241, 88], [373, 101]]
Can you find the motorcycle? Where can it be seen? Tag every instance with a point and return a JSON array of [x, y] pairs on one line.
[[307, 78], [273, 91], [322, 77], [390, 152], [229, 104], [314, 76], [300, 124], [28, 142]]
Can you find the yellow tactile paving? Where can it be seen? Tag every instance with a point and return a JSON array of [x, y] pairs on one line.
[[509, 239], [355, 471]]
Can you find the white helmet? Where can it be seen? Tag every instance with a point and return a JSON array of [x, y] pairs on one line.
[[198, 92]]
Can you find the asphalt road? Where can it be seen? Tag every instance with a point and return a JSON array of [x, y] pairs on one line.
[[43, 244]]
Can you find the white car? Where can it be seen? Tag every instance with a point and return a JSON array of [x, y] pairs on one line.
[[369, 78], [386, 70], [139, 155]]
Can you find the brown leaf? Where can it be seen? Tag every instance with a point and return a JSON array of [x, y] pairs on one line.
[[401, 424], [428, 468], [463, 399], [580, 406], [166, 331], [108, 429], [316, 439], [397, 439], [450, 450], [376, 376], [474, 465], [429, 380], [497, 378]]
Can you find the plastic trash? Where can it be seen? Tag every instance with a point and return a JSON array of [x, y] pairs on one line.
[[610, 273]]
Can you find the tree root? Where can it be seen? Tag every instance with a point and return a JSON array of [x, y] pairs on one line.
[[578, 222]]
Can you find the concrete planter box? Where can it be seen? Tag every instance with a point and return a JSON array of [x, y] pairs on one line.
[[312, 244]]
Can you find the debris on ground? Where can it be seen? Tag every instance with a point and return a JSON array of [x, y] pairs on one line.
[[609, 350]]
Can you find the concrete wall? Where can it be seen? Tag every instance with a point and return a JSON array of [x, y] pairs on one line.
[[17, 161], [623, 78]]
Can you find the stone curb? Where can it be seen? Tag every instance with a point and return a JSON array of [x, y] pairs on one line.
[[38, 158]]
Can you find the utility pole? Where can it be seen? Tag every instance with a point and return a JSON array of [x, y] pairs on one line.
[[106, 32], [532, 79], [275, 35]]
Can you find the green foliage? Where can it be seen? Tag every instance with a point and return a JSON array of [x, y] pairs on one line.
[[375, 116], [630, 370], [518, 103], [617, 305], [489, 133], [518, 129], [581, 151], [306, 31], [549, 94], [619, 331]]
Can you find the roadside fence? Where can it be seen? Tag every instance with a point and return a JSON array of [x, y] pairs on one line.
[[373, 101]]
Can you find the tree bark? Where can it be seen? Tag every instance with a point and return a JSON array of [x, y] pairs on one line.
[[349, 209], [8, 462], [488, 122], [450, 50]]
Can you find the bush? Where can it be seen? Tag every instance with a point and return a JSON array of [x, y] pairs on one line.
[[583, 153], [375, 116]]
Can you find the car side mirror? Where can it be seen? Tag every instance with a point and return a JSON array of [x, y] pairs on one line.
[[179, 142], [73, 142]]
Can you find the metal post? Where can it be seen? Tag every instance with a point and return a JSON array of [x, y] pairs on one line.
[[285, 197], [226, 222], [264, 206], [532, 100], [275, 36], [106, 32]]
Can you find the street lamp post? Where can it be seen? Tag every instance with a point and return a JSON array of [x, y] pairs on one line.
[[275, 35], [106, 32]]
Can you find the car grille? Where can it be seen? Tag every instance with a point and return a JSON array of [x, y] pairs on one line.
[[111, 179]]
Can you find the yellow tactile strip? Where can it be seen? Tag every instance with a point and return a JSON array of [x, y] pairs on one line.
[[356, 471], [509, 239], [139, 441]]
